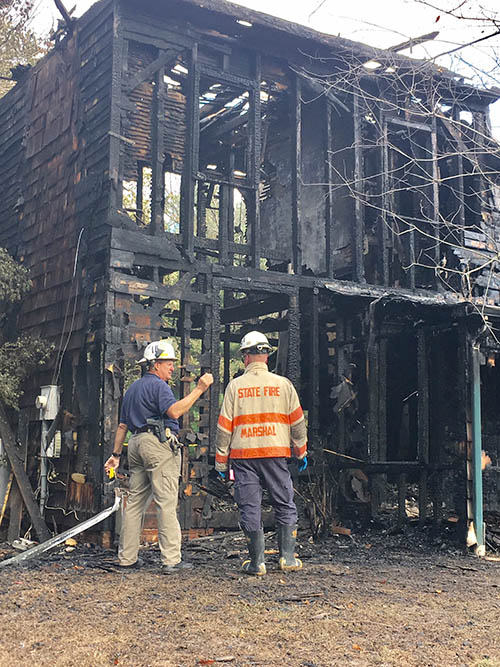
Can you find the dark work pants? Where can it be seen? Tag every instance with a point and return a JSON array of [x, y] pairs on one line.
[[250, 477]]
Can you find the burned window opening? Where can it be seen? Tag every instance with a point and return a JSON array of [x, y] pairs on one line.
[[224, 140]]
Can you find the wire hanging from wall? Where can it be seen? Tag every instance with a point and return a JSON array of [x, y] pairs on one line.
[[62, 349]]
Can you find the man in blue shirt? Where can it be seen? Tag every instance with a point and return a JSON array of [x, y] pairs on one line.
[[154, 468]]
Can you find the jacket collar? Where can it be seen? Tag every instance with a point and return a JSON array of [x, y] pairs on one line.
[[256, 366]]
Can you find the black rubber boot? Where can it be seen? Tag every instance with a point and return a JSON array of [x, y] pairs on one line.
[[286, 544], [256, 565]]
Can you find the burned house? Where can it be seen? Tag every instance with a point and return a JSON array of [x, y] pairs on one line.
[[192, 171]]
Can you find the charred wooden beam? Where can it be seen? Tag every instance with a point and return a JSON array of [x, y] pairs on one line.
[[239, 81], [382, 412], [373, 372], [225, 127], [16, 501], [461, 150], [157, 154], [358, 227], [230, 212], [223, 224], [437, 390], [414, 41], [387, 208], [255, 159], [330, 213], [293, 360], [185, 330], [250, 310], [65, 14], [345, 288], [124, 284], [296, 102], [314, 389], [373, 369], [340, 331], [191, 158], [212, 347], [135, 242], [21, 477], [115, 129], [435, 197], [164, 61], [227, 355], [423, 420]]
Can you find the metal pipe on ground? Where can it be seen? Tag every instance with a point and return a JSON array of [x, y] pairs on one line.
[[58, 539]]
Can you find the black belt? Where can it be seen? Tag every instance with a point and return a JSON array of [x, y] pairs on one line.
[[143, 429], [148, 429]]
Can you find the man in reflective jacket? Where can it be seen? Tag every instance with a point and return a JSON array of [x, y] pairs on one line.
[[261, 425]]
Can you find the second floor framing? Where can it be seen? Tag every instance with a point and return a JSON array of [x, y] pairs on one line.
[[273, 153]]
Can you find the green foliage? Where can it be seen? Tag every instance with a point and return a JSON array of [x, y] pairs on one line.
[[18, 43], [132, 372], [18, 359], [14, 279]]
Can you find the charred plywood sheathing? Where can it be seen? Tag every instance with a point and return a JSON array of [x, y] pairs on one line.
[[234, 171]]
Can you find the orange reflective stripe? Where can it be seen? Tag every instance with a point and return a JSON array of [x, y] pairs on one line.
[[261, 418], [221, 458], [225, 423], [298, 451], [296, 415], [260, 452]]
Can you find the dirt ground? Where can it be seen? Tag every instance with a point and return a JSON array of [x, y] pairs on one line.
[[373, 599]]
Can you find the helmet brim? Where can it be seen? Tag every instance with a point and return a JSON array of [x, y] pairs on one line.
[[267, 349], [145, 361]]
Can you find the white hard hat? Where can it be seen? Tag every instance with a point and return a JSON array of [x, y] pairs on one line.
[[257, 340], [158, 350]]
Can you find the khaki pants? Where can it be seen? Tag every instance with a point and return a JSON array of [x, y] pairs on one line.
[[154, 469]]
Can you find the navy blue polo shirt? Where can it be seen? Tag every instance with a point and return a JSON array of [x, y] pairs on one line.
[[148, 398]]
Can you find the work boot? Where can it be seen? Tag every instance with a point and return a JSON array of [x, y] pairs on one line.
[[138, 563], [172, 569], [286, 545], [256, 565]]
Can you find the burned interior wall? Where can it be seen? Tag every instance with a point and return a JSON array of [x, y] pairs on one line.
[[312, 198], [276, 192], [340, 174]]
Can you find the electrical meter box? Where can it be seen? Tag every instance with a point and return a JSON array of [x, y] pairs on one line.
[[48, 401]]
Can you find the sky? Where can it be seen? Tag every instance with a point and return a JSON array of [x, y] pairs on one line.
[[381, 24]]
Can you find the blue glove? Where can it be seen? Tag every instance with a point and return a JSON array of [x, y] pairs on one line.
[[302, 464], [222, 475]]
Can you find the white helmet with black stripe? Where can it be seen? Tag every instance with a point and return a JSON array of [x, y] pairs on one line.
[[254, 342]]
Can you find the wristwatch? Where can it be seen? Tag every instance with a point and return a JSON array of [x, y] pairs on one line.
[[117, 455]]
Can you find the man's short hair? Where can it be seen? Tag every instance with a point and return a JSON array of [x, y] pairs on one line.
[[257, 349]]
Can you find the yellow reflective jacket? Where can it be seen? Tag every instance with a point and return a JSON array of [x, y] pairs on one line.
[[260, 417]]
